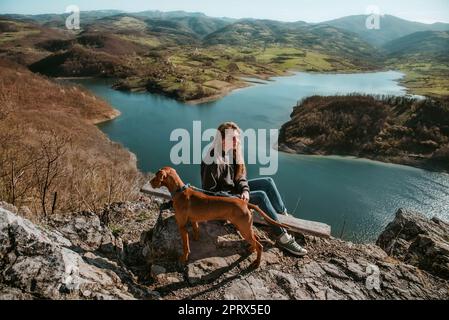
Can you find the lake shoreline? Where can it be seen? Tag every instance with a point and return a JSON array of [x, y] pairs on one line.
[[114, 114], [232, 86], [362, 193], [407, 162], [268, 77], [283, 147], [223, 93], [241, 83], [385, 129]]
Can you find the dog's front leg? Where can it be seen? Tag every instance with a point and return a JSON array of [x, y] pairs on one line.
[[196, 231], [185, 243]]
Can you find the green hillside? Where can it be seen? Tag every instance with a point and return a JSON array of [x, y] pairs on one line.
[[321, 38], [423, 57], [190, 56], [390, 28], [422, 43], [58, 20]]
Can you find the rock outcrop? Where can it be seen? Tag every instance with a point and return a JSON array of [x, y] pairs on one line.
[[335, 269], [418, 241], [87, 233], [78, 257], [39, 263], [218, 250]]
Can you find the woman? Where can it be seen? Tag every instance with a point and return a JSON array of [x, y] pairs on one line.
[[223, 172]]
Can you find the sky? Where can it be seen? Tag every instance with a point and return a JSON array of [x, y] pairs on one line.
[[427, 11]]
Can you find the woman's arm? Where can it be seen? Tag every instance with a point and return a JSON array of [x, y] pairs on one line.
[[242, 184]]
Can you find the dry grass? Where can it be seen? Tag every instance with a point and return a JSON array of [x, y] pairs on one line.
[[49, 147]]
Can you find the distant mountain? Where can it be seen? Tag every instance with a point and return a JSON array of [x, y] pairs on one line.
[[202, 25], [58, 20], [214, 29], [250, 32], [425, 42], [184, 26], [163, 49], [299, 34], [149, 31], [156, 14], [172, 31], [193, 22], [390, 28]]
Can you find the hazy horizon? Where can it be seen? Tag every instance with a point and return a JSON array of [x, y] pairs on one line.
[[430, 11]]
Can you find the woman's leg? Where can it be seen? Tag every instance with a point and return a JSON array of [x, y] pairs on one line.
[[269, 187], [260, 198], [285, 240]]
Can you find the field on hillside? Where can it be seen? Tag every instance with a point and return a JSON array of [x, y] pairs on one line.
[[180, 57], [179, 54], [427, 79]]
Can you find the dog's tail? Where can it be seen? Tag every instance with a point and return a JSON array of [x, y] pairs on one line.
[[266, 216]]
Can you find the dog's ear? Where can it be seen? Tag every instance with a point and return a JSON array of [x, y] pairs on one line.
[[163, 175]]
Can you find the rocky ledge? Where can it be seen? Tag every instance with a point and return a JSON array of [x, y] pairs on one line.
[[78, 257]]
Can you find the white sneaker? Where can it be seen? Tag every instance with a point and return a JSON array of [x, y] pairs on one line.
[[288, 243]]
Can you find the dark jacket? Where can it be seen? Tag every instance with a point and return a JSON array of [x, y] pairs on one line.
[[221, 177]]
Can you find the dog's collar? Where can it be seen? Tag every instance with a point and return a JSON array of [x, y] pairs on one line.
[[182, 189]]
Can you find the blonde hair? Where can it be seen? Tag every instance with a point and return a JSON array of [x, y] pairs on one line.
[[237, 153]]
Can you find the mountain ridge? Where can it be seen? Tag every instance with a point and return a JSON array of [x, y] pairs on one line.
[[434, 42], [354, 23], [162, 50], [391, 27]]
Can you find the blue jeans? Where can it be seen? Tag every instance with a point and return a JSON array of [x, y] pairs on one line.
[[265, 194]]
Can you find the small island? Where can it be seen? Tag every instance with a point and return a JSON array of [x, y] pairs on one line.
[[401, 130]]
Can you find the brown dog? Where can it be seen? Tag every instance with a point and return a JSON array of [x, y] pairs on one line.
[[195, 206]]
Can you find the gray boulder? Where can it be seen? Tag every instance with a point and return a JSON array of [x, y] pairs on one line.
[[86, 233], [217, 252], [40, 263], [418, 241]]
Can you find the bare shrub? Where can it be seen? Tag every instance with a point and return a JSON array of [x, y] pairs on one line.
[[16, 162], [47, 166], [51, 156]]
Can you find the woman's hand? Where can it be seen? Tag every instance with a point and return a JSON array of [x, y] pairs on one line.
[[245, 196]]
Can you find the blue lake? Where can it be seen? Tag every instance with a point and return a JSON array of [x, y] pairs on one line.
[[363, 195]]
